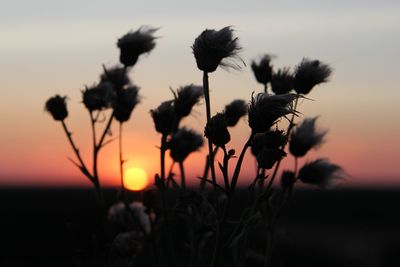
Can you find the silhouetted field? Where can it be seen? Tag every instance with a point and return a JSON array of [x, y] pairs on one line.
[[346, 227]]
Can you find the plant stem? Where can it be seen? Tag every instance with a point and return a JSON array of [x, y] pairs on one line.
[[82, 165], [208, 111], [183, 179], [206, 169], [121, 164]]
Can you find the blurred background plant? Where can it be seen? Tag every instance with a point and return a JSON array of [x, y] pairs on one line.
[[172, 223]]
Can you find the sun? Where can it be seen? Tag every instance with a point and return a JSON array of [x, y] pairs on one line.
[[135, 179]]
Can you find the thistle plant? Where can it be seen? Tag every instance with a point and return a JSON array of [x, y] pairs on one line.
[[178, 225]]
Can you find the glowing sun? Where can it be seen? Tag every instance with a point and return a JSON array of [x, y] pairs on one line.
[[135, 179]]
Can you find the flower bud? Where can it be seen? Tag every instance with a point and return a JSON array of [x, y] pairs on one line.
[[305, 137], [321, 173], [116, 76], [98, 97], [266, 147], [282, 82], [262, 70], [57, 107], [265, 110], [217, 131], [185, 98], [213, 48], [310, 73], [126, 101], [234, 111], [133, 44], [184, 142], [164, 117]]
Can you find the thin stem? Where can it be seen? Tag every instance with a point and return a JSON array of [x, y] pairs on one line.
[[82, 166], [225, 168], [183, 179], [121, 164], [239, 164], [208, 111], [206, 169]]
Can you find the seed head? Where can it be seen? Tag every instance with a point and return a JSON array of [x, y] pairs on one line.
[[164, 117], [116, 76], [184, 142], [185, 98], [265, 110], [282, 81], [234, 111], [98, 97], [217, 131], [266, 147], [305, 137], [263, 69], [126, 101], [321, 173], [216, 48], [309, 73], [57, 107], [133, 44]]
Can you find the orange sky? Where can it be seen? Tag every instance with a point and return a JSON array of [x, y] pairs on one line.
[[43, 54]]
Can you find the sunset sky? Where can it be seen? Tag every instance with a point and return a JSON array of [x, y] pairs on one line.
[[58, 47]]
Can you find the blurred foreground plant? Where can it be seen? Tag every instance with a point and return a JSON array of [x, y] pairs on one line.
[[178, 225]]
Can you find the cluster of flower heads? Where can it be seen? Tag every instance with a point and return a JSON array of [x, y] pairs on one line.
[[114, 89]]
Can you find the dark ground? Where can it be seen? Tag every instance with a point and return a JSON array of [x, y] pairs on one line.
[[346, 227]]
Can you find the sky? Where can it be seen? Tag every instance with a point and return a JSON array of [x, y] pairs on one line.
[[54, 47]]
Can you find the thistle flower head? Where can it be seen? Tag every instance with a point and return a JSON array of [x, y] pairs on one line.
[[126, 101], [185, 98], [57, 107], [115, 76], [262, 69], [234, 111], [265, 110], [214, 48], [305, 137], [266, 147], [282, 81], [321, 173], [164, 117], [217, 131], [310, 73], [133, 44], [184, 142], [98, 97]]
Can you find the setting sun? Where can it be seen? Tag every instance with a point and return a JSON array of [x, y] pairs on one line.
[[136, 179]]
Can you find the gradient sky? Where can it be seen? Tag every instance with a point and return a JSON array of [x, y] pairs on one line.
[[53, 47]]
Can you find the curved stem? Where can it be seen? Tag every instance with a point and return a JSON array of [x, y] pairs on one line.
[[206, 169]]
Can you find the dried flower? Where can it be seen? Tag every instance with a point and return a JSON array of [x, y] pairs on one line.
[[57, 107], [234, 111], [122, 218], [282, 82], [184, 142], [310, 73], [164, 117], [217, 131], [133, 44], [305, 137], [98, 97], [287, 180], [185, 98], [126, 101], [127, 244], [321, 173], [116, 76], [213, 48], [262, 70], [265, 110], [267, 148]]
